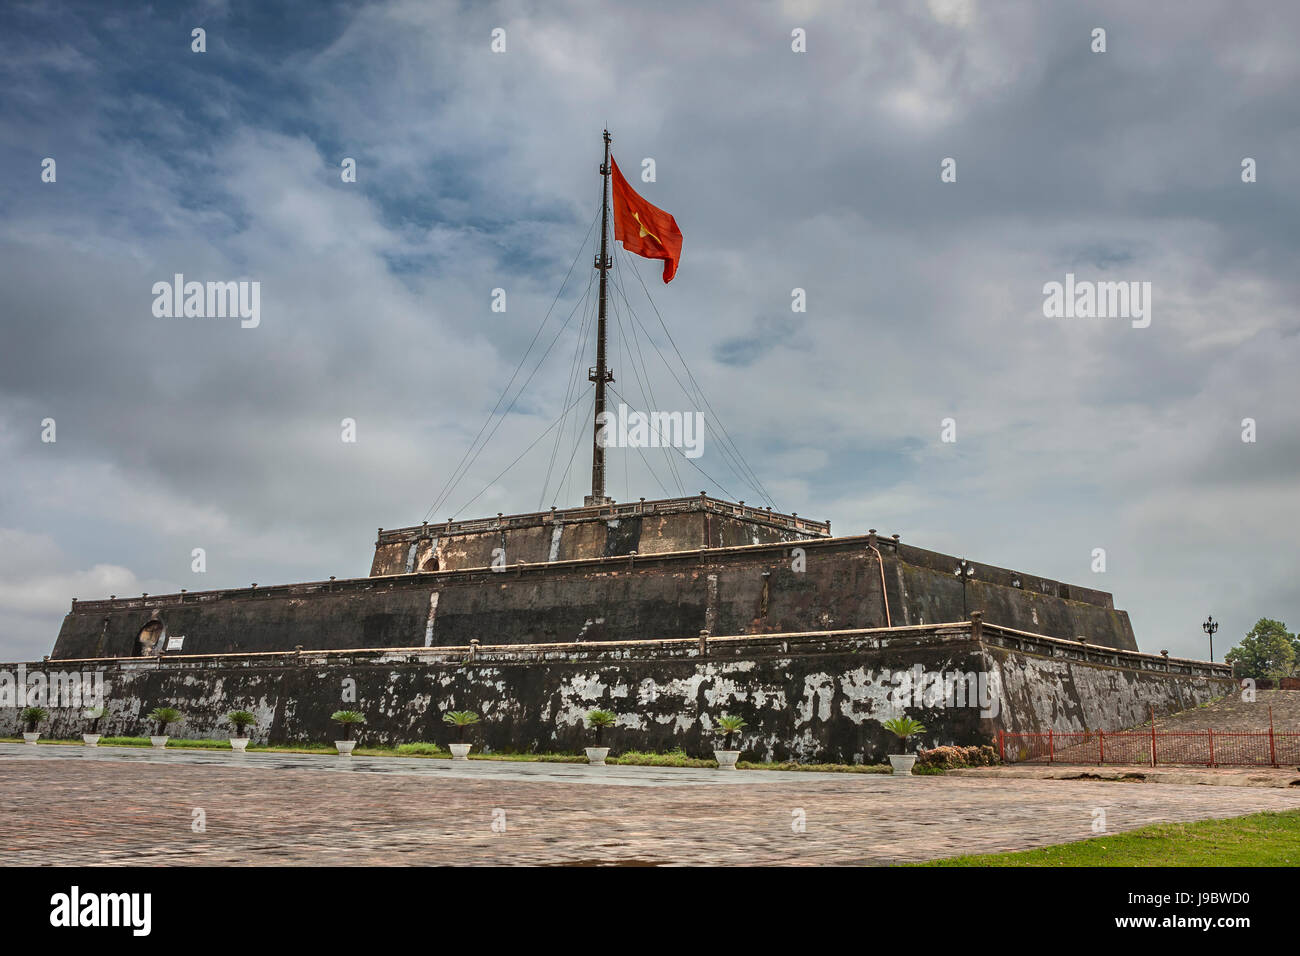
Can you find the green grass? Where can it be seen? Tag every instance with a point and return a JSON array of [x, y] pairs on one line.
[[19, 740], [679, 758], [630, 758], [531, 758], [1260, 839], [178, 742], [819, 767], [673, 758], [419, 750]]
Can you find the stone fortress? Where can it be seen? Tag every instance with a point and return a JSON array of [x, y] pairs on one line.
[[652, 570], [668, 613]]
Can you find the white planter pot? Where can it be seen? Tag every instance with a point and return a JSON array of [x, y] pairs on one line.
[[726, 759], [596, 756], [239, 744], [902, 763], [460, 751], [344, 747], [91, 740], [159, 742], [30, 737]]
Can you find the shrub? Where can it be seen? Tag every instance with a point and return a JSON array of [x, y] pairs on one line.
[[953, 758], [673, 758], [420, 749]]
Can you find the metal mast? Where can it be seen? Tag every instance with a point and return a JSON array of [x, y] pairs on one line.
[[600, 374]]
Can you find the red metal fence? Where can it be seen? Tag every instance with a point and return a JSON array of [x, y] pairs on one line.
[[1152, 748]]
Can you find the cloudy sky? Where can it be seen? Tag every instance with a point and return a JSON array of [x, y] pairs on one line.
[[816, 170]]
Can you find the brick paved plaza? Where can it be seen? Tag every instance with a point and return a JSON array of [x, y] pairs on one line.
[[75, 805]]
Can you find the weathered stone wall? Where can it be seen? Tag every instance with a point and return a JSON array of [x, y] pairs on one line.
[[810, 696], [652, 527], [1062, 695], [809, 585]]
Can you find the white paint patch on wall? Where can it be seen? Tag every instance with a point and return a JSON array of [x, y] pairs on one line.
[[867, 696], [433, 613], [711, 607], [731, 684], [579, 693], [818, 690], [630, 721]]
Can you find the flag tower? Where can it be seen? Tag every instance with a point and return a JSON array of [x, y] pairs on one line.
[[600, 374], [647, 231]]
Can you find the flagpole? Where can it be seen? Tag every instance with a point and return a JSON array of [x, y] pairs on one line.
[[600, 375]]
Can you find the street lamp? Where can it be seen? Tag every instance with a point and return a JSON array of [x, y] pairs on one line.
[[967, 570], [1209, 627]]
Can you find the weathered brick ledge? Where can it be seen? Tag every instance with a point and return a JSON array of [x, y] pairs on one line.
[[627, 509], [702, 647], [988, 574]]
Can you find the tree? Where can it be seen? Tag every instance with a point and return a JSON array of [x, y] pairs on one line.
[[1266, 651]]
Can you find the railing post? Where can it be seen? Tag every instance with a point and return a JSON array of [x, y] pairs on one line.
[[1101, 748], [1272, 749], [1210, 732], [1002, 748], [1051, 749], [1153, 736]]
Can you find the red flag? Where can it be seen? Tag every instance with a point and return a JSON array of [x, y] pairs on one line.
[[644, 230]]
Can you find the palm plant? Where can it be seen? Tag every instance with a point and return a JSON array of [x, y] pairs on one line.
[[729, 726], [903, 727], [31, 716], [96, 714], [241, 719], [460, 719], [598, 720], [162, 716], [349, 719]]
